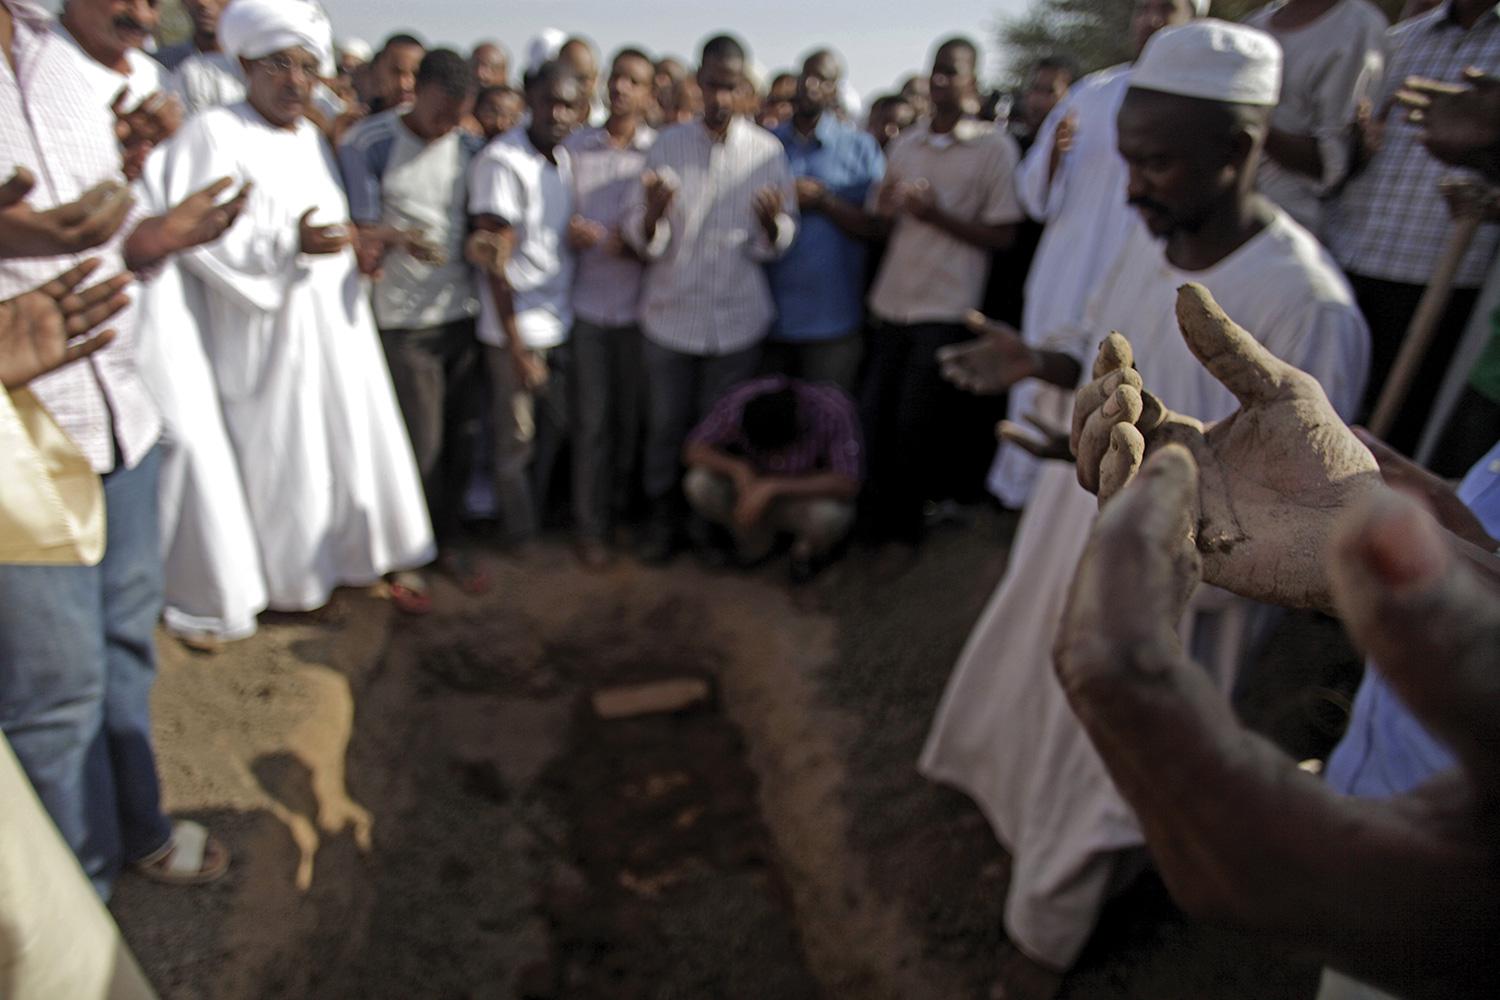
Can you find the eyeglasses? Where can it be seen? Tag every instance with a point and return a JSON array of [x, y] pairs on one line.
[[282, 64]]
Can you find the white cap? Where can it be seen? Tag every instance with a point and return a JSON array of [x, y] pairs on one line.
[[253, 29], [1214, 60], [358, 48], [544, 48]]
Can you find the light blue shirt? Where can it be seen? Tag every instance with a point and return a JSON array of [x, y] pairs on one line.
[[1386, 751], [819, 285]]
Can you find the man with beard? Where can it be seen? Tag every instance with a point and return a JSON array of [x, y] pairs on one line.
[[332, 488], [77, 641], [819, 285], [1190, 130], [1073, 182], [717, 202]]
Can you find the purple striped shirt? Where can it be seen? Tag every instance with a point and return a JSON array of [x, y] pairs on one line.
[[828, 438]]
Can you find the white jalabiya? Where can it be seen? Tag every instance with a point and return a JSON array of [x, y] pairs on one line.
[[328, 471], [1083, 207], [208, 80], [1004, 733], [211, 564]]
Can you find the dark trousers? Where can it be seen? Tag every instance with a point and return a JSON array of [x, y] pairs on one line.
[[836, 360], [1388, 307], [434, 371], [909, 414], [606, 397], [680, 390]]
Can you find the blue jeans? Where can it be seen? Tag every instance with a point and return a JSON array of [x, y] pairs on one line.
[[77, 661]]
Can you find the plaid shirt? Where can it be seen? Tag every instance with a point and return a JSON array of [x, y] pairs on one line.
[[1390, 221], [53, 123], [828, 438]]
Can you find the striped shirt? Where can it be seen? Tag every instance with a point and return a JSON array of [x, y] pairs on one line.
[[828, 436], [53, 122], [1390, 222], [705, 291], [607, 289]]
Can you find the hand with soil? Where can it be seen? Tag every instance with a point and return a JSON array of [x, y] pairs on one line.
[[1275, 474], [1240, 835]]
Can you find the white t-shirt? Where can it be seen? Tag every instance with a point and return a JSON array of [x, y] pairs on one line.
[[510, 179]]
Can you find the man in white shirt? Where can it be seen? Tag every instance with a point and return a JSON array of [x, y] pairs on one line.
[[521, 199], [1190, 130], [203, 76], [406, 172], [949, 201], [717, 202]]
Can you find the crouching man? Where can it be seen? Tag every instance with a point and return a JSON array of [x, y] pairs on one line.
[[777, 456]]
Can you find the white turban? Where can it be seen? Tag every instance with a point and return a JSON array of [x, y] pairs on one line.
[[356, 48], [544, 48], [253, 29], [1214, 60]]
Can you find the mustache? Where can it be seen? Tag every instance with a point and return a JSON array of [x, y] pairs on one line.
[[1147, 203], [127, 23]]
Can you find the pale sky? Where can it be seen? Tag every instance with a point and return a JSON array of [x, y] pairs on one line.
[[880, 40]]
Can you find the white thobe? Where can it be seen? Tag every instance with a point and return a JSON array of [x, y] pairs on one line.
[[213, 583], [208, 80], [332, 487], [1086, 218], [1004, 732]]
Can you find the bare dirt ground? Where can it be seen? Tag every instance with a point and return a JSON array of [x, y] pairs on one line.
[[432, 808]]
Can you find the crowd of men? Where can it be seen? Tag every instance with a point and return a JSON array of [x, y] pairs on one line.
[[377, 297]]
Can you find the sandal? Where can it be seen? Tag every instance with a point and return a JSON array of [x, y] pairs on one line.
[[409, 594], [189, 857]]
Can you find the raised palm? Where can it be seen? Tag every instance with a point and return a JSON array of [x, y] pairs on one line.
[[1273, 475]]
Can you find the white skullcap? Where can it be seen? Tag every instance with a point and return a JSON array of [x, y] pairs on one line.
[[252, 29], [1214, 60], [358, 48], [544, 48]]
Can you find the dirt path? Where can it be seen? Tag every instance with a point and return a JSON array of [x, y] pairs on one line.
[[432, 808]]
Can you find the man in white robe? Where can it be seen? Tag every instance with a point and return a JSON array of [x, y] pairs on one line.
[[213, 585], [1073, 181], [1190, 130], [331, 484]]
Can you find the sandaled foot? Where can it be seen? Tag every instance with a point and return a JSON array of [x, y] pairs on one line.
[[190, 857], [409, 593]]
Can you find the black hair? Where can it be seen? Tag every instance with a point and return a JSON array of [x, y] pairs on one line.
[[632, 52], [485, 93], [785, 74], [886, 100], [446, 70], [770, 420], [550, 72], [960, 42], [403, 38], [1062, 62], [725, 48]]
